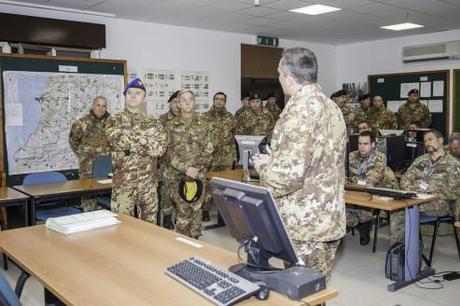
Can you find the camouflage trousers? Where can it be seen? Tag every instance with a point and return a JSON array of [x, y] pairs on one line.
[[142, 197], [166, 205], [397, 226], [208, 198], [319, 256], [86, 170], [438, 208], [357, 215], [188, 215]]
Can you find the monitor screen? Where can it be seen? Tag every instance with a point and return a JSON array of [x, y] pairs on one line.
[[248, 144], [250, 214]]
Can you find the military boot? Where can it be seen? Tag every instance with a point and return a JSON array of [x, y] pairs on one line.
[[206, 216], [167, 222], [364, 232]]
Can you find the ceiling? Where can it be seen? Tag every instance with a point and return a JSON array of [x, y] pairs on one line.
[[359, 20]]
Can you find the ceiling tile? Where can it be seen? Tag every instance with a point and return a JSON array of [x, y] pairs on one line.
[[258, 11]]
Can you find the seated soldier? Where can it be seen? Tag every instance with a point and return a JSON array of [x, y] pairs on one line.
[[436, 173], [369, 167]]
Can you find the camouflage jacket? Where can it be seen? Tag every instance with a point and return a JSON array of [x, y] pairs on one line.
[[413, 112], [257, 123], [361, 115], [274, 109], [222, 126], [136, 141], [372, 169], [87, 137], [349, 116], [189, 146], [448, 150], [240, 111], [165, 119], [440, 178], [306, 173], [382, 119]]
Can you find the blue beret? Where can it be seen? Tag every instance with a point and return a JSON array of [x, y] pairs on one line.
[[136, 83]]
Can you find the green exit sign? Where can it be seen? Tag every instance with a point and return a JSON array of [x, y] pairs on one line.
[[267, 41]]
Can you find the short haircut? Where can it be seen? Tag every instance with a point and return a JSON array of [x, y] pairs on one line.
[[184, 91], [368, 134], [364, 97], [455, 136], [300, 64], [220, 93], [100, 97], [364, 121], [436, 133]]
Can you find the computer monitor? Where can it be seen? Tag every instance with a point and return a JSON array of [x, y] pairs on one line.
[[252, 218], [393, 147], [385, 133], [248, 146]]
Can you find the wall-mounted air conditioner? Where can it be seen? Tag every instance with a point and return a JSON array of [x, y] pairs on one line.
[[430, 52]]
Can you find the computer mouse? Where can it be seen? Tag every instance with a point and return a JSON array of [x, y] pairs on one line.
[[263, 293]]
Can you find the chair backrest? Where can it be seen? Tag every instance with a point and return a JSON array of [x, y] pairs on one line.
[[7, 295], [44, 178], [102, 166]]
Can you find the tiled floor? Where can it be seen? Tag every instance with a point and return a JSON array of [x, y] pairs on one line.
[[358, 274]]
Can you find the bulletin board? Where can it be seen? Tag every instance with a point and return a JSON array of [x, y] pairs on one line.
[[432, 85]]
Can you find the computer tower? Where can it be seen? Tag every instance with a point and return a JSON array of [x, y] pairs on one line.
[[394, 149]]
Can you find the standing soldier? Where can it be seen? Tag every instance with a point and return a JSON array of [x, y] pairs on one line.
[[340, 98], [435, 172], [305, 171], [369, 167], [136, 140], [256, 121], [271, 105], [413, 111], [188, 155], [166, 205], [222, 126], [362, 112], [245, 102], [380, 117], [87, 140]]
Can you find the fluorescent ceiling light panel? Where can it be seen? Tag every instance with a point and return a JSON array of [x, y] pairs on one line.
[[402, 26], [56, 8], [315, 9]]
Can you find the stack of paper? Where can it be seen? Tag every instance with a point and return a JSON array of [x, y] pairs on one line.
[[82, 222]]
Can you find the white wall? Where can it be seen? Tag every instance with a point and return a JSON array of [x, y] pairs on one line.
[[152, 45], [357, 61]]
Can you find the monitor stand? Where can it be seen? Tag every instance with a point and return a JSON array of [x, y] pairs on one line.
[[296, 282], [247, 168]]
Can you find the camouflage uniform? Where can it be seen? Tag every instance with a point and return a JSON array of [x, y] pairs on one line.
[[87, 140], [222, 126], [413, 112], [136, 140], [382, 119], [349, 117], [440, 179], [190, 146], [166, 205], [274, 109], [258, 123], [448, 150], [361, 115], [373, 170], [306, 175], [240, 111]]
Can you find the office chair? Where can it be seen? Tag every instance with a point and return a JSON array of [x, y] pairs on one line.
[[102, 166], [436, 221], [7, 294], [52, 210]]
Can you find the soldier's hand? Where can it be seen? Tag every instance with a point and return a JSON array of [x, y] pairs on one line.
[[192, 172]]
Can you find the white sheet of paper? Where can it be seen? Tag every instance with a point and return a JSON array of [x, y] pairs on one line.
[[406, 87], [13, 114], [108, 181], [380, 80], [435, 106], [393, 106], [423, 78], [425, 89], [438, 88]]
